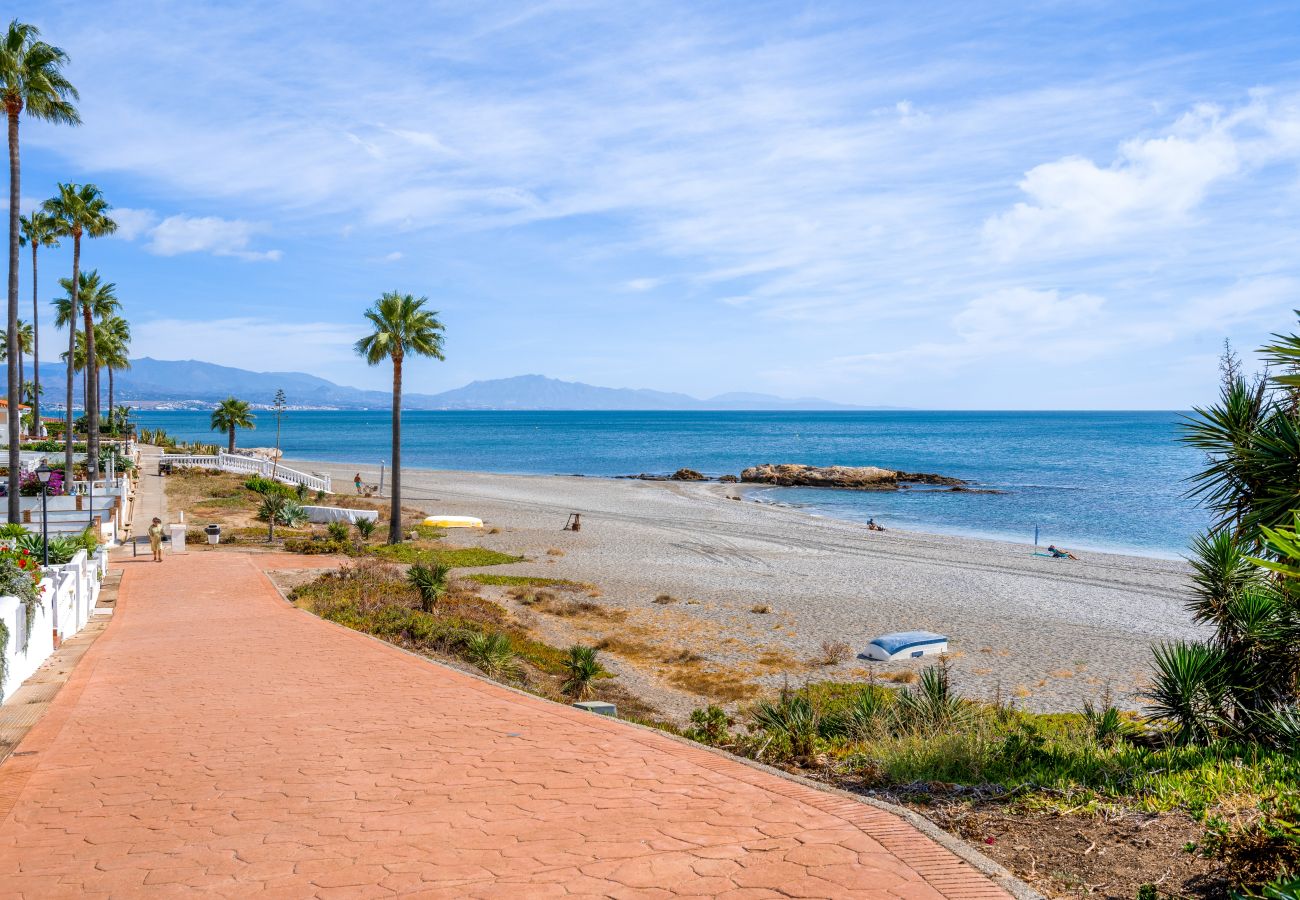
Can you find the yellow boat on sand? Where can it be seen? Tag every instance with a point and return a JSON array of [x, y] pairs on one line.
[[453, 522]]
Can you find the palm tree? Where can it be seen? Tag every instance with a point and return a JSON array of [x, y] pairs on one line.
[[91, 296], [231, 414], [81, 210], [30, 79], [401, 326], [39, 230], [24, 344], [112, 339]]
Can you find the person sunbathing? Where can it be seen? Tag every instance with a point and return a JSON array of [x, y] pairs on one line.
[[1058, 553]]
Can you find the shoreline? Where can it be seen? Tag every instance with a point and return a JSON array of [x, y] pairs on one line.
[[1043, 633]]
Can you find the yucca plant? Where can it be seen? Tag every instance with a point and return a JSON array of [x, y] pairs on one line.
[[581, 669], [931, 704], [365, 527], [492, 652], [790, 724], [338, 530], [1191, 691], [430, 581]]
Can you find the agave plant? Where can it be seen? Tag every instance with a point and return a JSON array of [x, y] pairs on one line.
[[492, 652], [581, 669], [430, 581]]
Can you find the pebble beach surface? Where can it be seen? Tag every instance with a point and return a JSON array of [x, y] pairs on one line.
[[1045, 633]]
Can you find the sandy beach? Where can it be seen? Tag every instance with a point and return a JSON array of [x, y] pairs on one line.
[[1045, 633]]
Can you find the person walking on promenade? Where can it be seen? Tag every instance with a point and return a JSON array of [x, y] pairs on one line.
[[156, 538]]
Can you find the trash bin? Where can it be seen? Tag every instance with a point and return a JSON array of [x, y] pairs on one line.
[[213, 532]]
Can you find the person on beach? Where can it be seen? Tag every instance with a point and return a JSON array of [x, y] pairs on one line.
[[155, 539], [1058, 553], [356, 479]]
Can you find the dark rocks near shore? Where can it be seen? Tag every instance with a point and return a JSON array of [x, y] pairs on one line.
[[686, 475], [862, 478]]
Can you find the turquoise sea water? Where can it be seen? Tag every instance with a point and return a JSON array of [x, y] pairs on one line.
[[1091, 480]]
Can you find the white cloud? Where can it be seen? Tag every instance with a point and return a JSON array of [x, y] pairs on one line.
[[133, 223], [1019, 313], [393, 257], [194, 234], [640, 285], [1152, 184]]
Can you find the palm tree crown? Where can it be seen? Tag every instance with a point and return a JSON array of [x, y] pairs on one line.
[[401, 326], [231, 414], [31, 78]]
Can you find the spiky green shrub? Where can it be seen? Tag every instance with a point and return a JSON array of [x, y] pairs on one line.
[[337, 531], [931, 704], [365, 527], [492, 652], [581, 669], [430, 581], [710, 725], [789, 726]]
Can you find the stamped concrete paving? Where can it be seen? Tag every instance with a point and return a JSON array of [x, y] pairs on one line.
[[215, 739]]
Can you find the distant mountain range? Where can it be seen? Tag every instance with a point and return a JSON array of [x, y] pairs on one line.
[[174, 383]]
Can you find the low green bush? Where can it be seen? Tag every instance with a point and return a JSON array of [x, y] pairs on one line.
[[314, 546]]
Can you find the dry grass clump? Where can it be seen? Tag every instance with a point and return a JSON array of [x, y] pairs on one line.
[[578, 609], [713, 683], [684, 656], [664, 599], [494, 530], [761, 609], [832, 653], [905, 676], [554, 551]]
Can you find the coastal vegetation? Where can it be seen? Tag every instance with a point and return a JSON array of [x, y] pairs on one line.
[[401, 327]]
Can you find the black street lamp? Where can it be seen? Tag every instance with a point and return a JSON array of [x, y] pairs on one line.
[[43, 473]]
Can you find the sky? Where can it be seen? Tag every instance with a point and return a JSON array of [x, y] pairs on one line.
[[950, 206]]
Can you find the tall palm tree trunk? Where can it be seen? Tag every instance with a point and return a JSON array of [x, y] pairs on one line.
[[72, 349], [15, 399], [22, 382], [395, 509], [92, 396], [112, 423], [36, 350], [231, 448]]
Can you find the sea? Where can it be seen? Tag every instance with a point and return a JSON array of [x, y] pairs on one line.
[[1110, 481]]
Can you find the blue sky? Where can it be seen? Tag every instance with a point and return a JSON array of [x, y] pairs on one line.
[[1046, 205]]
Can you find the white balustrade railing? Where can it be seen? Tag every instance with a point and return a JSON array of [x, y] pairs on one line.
[[252, 465], [67, 600]]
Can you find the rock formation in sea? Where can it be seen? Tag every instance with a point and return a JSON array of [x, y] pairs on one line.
[[863, 478]]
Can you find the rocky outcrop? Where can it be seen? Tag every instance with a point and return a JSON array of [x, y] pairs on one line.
[[729, 479], [863, 478], [686, 475]]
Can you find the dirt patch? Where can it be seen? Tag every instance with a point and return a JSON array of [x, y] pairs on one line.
[[1073, 855]]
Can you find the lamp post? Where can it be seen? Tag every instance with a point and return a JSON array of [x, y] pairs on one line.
[[43, 473]]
